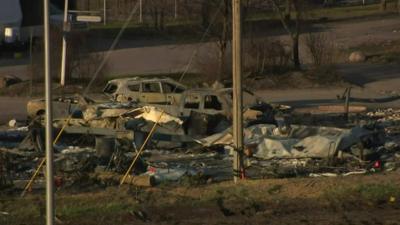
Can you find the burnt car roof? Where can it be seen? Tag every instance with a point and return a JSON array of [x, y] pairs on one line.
[[141, 79]]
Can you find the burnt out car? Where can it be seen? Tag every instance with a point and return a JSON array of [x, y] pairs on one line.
[[62, 106], [145, 90]]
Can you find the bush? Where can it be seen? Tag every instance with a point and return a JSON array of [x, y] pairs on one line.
[[321, 48], [266, 56]]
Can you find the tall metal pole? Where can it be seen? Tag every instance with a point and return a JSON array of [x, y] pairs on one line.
[[141, 11], [64, 46], [237, 91], [49, 131]]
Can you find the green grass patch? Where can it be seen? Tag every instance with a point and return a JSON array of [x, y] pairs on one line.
[[189, 31], [366, 193]]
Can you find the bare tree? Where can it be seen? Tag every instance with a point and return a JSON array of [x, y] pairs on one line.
[[293, 30], [398, 6], [224, 37], [288, 10], [157, 10], [383, 5], [219, 11], [321, 48]]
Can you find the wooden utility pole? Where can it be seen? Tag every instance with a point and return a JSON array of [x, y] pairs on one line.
[[50, 211], [237, 91]]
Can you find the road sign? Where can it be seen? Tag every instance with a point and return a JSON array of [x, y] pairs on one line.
[[89, 19]]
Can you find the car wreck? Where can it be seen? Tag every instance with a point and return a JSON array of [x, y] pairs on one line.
[[192, 139], [156, 91]]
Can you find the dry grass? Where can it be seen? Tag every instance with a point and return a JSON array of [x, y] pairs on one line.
[[173, 203]]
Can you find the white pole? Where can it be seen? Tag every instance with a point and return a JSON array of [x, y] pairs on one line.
[[140, 11], [64, 46], [50, 211], [237, 91]]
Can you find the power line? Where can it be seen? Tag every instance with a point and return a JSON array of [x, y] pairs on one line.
[[187, 67], [112, 47]]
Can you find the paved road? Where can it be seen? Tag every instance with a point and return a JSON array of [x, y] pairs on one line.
[[377, 82], [378, 87], [134, 59]]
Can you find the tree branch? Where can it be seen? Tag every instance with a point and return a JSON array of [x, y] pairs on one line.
[[282, 17]]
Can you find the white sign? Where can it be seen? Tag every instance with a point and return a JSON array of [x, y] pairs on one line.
[[89, 19]]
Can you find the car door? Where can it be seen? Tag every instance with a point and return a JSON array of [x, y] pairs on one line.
[[190, 102], [133, 91], [61, 108], [152, 93], [172, 92], [212, 104]]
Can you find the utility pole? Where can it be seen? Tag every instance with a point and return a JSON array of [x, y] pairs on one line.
[[64, 46], [141, 11], [238, 170], [50, 211]]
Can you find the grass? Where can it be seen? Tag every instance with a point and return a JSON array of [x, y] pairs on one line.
[[332, 13], [77, 209], [371, 194], [350, 12], [187, 31], [115, 205]]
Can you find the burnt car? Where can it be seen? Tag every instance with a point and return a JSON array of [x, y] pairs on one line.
[[62, 106], [144, 90], [210, 101]]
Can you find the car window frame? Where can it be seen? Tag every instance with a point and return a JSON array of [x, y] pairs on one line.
[[151, 82]]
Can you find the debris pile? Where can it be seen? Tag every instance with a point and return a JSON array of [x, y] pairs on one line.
[[192, 142]]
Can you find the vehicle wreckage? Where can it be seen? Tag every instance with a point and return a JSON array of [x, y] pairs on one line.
[[192, 141]]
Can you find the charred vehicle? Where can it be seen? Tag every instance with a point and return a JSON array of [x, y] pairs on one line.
[[62, 106], [153, 91]]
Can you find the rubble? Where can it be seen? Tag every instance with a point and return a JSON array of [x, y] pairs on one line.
[[195, 144]]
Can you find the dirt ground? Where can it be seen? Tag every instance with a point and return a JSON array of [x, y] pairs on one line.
[[358, 200]]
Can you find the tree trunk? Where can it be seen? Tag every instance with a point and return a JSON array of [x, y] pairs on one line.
[[398, 6], [221, 67], [296, 35], [205, 14], [224, 39], [288, 10], [162, 22], [155, 13], [296, 57], [383, 5]]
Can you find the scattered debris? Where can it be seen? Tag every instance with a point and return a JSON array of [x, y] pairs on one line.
[[191, 142]]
